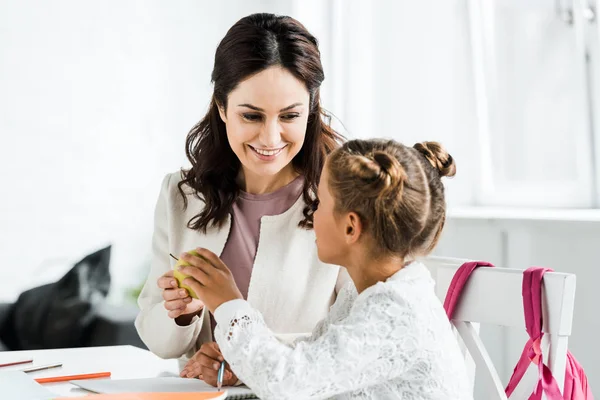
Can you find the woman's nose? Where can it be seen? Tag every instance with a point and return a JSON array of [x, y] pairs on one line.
[[270, 135]]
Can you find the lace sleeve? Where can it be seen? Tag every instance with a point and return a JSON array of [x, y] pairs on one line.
[[373, 344]]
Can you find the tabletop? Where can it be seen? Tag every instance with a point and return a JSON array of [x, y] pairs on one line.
[[123, 362]]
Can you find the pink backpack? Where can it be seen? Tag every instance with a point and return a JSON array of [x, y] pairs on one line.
[[576, 385]]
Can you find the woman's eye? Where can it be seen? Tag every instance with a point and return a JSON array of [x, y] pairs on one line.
[[252, 117], [290, 117]]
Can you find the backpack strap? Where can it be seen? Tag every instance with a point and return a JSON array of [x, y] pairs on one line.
[[532, 306], [458, 283], [532, 300]]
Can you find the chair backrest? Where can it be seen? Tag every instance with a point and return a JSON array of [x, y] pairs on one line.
[[494, 296]]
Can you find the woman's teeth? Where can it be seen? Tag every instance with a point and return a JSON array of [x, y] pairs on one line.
[[267, 152]]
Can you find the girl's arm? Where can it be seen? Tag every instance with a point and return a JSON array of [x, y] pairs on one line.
[[370, 346]]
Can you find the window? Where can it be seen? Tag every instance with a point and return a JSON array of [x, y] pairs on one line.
[[534, 96], [511, 87]]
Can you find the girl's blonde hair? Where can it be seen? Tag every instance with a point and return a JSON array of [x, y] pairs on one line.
[[396, 191]]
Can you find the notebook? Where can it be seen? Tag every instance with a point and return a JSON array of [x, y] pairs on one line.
[[160, 385], [155, 396], [18, 385]]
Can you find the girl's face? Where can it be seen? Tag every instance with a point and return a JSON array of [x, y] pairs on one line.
[[266, 121], [330, 228]]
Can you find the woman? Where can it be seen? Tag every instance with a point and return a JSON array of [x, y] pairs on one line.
[[256, 159]]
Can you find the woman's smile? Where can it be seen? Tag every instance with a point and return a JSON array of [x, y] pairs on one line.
[[267, 154]]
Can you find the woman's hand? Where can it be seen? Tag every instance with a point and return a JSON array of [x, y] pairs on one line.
[[178, 302], [205, 365], [210, 279]]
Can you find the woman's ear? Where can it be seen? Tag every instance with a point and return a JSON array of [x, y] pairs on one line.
[[353, 228]]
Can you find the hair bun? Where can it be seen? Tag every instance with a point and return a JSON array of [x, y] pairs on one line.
[[382, 174], [390, 169], [438, 157]]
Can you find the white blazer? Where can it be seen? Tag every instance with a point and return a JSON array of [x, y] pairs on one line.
[[289, 285]]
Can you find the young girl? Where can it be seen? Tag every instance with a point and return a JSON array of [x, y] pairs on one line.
[[381, 205]]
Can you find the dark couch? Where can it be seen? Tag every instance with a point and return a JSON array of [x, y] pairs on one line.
[[4, 309], [112, 326]]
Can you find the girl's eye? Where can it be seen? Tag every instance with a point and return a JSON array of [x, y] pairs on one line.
[[252, 117]]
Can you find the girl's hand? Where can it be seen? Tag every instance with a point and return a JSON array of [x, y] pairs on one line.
[[210, 279]]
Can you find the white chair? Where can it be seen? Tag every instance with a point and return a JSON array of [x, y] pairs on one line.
[[493, 296]]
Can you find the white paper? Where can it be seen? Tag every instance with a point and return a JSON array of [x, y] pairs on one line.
[[156, 385], [18, 385]]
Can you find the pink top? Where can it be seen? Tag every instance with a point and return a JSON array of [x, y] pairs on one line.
[[241, 246]]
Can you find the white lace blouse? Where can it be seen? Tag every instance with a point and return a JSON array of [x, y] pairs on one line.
[[393, 341]]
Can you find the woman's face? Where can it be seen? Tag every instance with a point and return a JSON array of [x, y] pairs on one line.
[[329, 226], [266, 120]]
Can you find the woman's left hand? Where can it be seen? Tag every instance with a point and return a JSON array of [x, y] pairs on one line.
[[205, 365], [210, 279]]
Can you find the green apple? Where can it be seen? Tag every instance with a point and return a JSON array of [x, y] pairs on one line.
[[180, 276]]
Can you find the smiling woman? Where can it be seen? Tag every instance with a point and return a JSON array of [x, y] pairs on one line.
[[266, 126], [264, 63], [249, 196]]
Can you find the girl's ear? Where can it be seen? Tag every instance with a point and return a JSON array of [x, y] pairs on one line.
[[353, 228]]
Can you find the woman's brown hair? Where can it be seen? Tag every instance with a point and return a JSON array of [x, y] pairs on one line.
[[396, 191], [251, 45]]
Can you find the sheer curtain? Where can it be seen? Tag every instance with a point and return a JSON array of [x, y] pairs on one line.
[[533, 103], [400, 70], [503, 84]]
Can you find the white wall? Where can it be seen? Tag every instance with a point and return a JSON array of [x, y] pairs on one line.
[[96, 98], [519, 243]]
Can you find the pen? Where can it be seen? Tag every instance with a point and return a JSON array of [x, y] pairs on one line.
[[72, 377], [16, 363], [220, 376], [41, 367]]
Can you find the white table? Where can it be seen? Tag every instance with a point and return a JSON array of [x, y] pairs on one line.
[[122, 362]]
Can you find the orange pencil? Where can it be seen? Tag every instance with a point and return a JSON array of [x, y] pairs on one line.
[[67, 378], [16, 363]]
